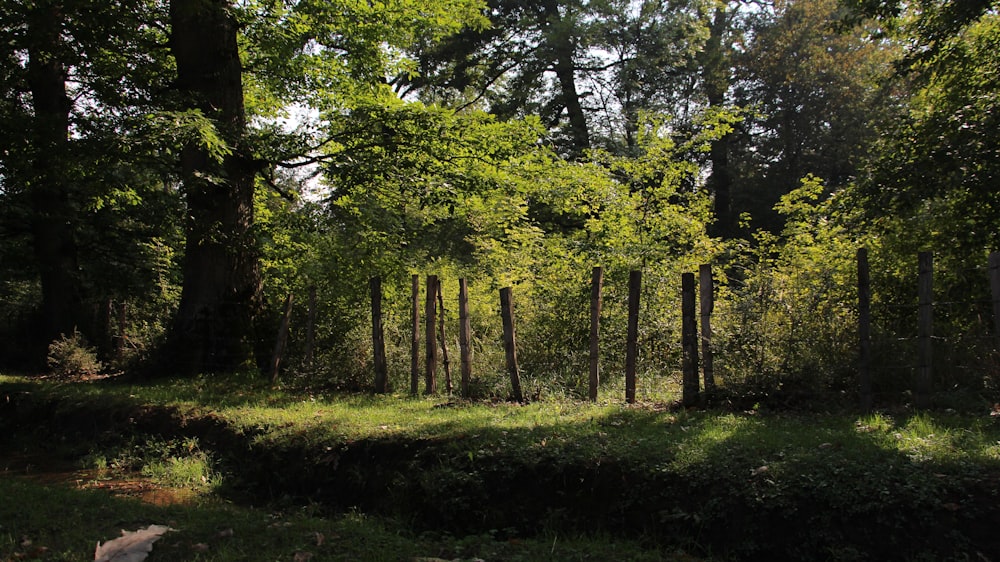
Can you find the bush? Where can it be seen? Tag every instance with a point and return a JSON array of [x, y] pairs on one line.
[[71, 356]]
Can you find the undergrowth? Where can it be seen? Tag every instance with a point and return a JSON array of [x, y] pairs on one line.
[[724, 484]]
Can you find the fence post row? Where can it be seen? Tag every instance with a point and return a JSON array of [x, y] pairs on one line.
[[464, 337], [509, 342], [596, 284], [632, 341], [925, 292], [689, 338], [689, 341], [995, 290], [706, 297], [444, 342], [414, 334], [378, 337], [864, 330], [281, 339], [430, 340]]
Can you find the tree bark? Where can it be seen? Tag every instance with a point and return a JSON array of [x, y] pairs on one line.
[[716, 83], [220, 297], [53, 218], [559, 41]]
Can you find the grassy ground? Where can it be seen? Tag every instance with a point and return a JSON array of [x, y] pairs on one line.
[[394, 477], [60, 522]]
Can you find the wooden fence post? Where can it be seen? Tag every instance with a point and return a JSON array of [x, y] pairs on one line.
[[122, 336], [281, 340], [444, 342], [925, 292], [995, 290], [706, 300], [464, 337], [510, 342], [307, 359], [430, 343], [864, 330], [596, 283], [689, 341], [631, 343], [378, 337], [414, 334]]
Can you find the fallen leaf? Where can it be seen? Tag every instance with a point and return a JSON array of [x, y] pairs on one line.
[[302, 556], [225, 533], [132, 546], [199, 547], [320, 539]]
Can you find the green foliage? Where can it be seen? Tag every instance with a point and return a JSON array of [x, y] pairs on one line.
[[933, 167], [424, 190], [797, 294], [928, 185], [71, 356], [812, 91]]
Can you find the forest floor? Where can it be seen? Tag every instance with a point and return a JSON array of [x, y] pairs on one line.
[[244, 471]]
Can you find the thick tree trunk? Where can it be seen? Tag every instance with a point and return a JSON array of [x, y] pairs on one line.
[[213, 329], [716, 83], [560, 42], [53, 218]]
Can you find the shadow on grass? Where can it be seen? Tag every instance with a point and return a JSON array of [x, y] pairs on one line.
[[729, 485]]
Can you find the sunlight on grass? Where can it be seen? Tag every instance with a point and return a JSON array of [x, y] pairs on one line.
[[927, 437], [365, 417], [449, 456], [703, 440]]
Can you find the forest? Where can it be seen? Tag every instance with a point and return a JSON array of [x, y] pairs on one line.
[[172, 171], [255, 198]]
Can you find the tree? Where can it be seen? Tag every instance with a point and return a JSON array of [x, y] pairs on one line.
[[70, 83], [935, 166], [53, 215], [716, 62], [931, 24], [587, 69], [213, 327], [810, 90], [652, 49], [321, 53]]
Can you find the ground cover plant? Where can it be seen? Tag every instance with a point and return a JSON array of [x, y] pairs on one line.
[[473, 479]]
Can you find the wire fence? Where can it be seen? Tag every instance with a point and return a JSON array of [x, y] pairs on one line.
[[772, 337]]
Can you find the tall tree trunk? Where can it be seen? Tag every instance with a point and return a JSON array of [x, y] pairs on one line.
[[213, 329], [53, 218], [560, 37], [715, 71]]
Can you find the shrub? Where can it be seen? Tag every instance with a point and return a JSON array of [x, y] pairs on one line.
[[72, 356]]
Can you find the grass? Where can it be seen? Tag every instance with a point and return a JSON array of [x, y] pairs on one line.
[[645, 480], [61, 523]]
